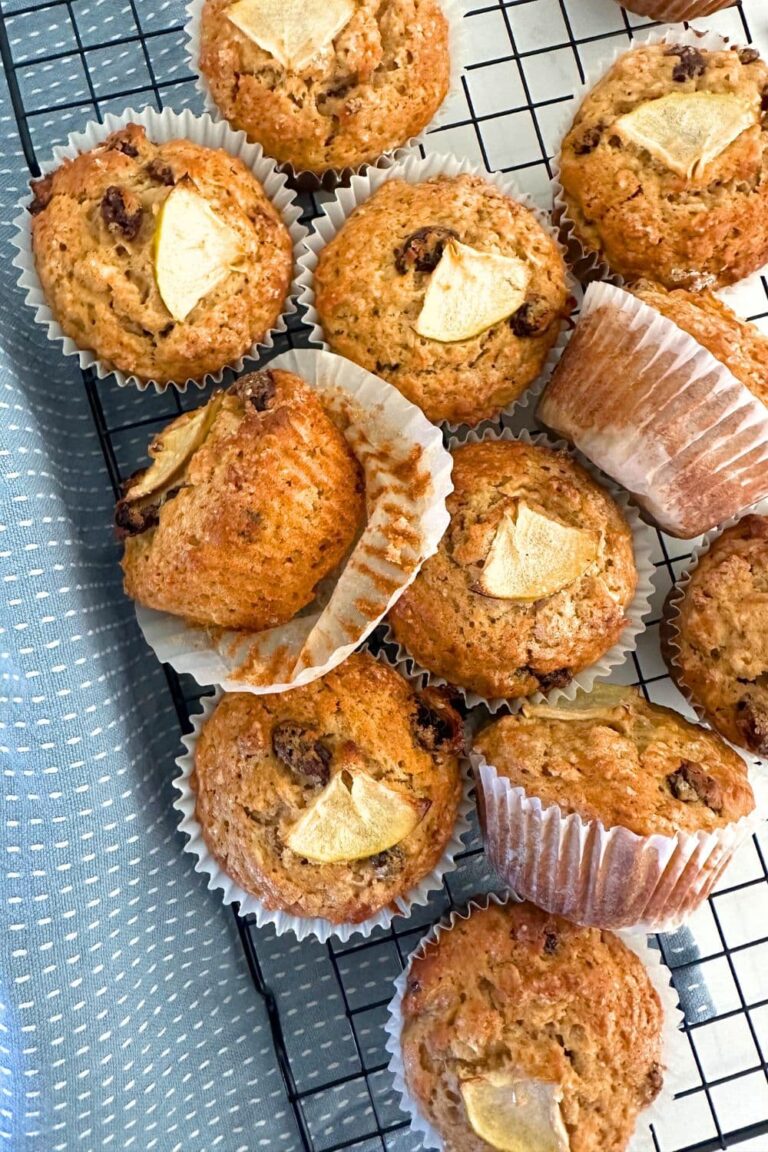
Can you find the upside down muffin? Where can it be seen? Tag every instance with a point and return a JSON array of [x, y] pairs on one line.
[[530, 583], [249, 502], [448, 289], [167, 260], [665, 168], [334, 799], [331, 85], [522, 1031]]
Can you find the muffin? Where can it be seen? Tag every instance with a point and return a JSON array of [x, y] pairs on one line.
[[665, 168], [667, 392], [532, 580], [332, 800], [327, 86], [523, 1031], [610, 810], [715, 634], [675, 11], [448, 289], [167, 260], [249, 502]]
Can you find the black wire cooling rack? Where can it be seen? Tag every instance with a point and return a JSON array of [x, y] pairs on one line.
[[327, 1003]]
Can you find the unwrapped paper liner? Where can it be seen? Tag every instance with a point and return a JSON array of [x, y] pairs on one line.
[[415, 170], [674, 1046], [407, 472], [659, 413], [643, 544]]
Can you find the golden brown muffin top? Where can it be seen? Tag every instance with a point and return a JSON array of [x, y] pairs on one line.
[[504, 647], [520, 994], [263, 761], [720, 636], [611, 756]]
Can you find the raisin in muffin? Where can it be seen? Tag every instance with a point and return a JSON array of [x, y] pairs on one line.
[[665, 168], [249, 502], [327, 86], [332, 800], [523, 1031], [715, 638], [448, 289], [168, 261], [531, 582]]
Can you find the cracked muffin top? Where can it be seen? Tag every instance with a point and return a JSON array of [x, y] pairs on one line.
[[522, 1030], [167, 261], [448, 289], [249, 502], [333, 799], [665, 168], [720, 636], [326, 86], [611, 756], [530, 583]]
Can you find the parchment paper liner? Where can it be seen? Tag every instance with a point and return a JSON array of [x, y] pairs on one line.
[[674, 1046], [159, 126], [407, 482], [643, 542], [675, 11], [659, 413], [416, 170], [306, 179]]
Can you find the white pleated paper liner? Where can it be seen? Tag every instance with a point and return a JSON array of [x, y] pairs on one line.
[[160, 127], [308, 180], [408, 477], [643, 539], [654, 409], [417, 170], [302, 927], [586, 263], [674, 1046]]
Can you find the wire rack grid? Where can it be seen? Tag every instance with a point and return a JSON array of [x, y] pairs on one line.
[[327, 1003]]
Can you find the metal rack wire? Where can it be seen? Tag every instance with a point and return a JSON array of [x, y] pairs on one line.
[[327, 1004]]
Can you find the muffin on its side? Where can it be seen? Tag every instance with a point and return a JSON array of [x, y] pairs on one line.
[[168, 261], [334, 799], [523, 1031], [250, 501], [675, 11], [329, 85], [531, 582], [715, 639], [448, 289]]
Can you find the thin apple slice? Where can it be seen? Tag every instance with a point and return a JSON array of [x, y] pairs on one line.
[[516, 1115], [469, 292], [173, 448], [193, 250], [291, 30], [532, 556], [598, 704], [686, 131]]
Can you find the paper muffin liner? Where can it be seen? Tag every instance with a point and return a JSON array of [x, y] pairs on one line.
[[301, 926], [407, 472], [160, 127], [416, 170], [586, 263], [675, 11], [306, 179], [643, 540], [674, 1046], [659, 413]]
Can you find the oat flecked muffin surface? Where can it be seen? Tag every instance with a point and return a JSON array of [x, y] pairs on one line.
[[700, 219], [95, 229], [613, 757], [263, 762], [378, 82], [716, 644], [372, 279], [517, 1014], [250, 501], [508, 647]]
